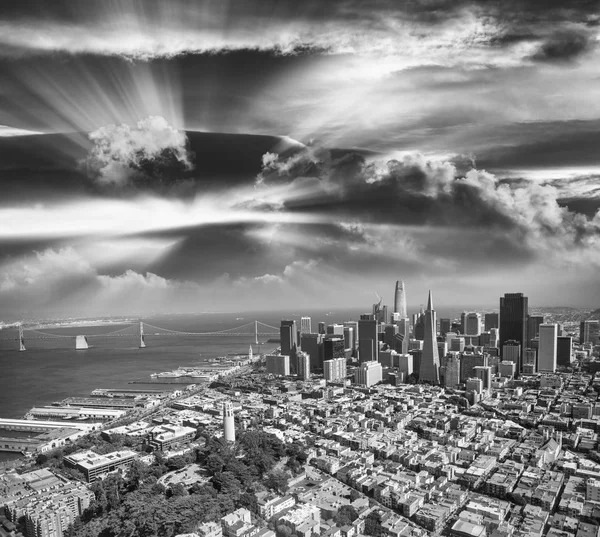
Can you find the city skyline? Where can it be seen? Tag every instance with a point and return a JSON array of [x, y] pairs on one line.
[[444, 143]]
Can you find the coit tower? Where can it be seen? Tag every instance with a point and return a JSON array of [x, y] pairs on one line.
[[228, 422]]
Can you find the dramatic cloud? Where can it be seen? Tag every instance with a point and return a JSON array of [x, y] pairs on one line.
[[416, 191], [565, 45], [122, 155]]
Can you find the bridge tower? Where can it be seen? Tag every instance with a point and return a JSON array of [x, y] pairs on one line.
[[142, 342], [21, 339], [256, 332]]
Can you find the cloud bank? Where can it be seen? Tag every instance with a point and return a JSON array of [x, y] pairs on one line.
[[151, 150]]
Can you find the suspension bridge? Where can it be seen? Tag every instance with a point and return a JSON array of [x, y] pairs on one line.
[[141, 331]]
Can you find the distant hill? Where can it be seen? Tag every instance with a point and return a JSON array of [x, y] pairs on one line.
[[595, 315]]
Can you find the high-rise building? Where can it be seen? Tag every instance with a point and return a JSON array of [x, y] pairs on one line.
[[335, 329], [303, 359], [494, 337], [334, 370], [490, 321], [419, 326], [548, 332], [473, 324], [400, 300], [313, 345], [430, 361], [354, 326], [322, 329], [507, 369], [368, 338], [228, 422], [589, 332], [457, 344], [463, 322], [513, 321], [511, 351], [349, 337], [452, 370], [564, 350], [288, 333], [444, 326], [530, 362], [405, 364], [469, 361], [305, 325], [368, 374], [533, 327], [333, 347], [278, 364], [390, 332], [485, 374]]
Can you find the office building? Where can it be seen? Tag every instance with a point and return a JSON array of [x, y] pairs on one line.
[[430, 361], [322, 329], [94, 466], [400, 300], [442, 348], [313, 345], [474, 385], [289, 342], [354, 326], [444, 327], [334, 346], [485, 374], [337, 329], [530, 362], [511, 351], [368, 374], [494, 338], [469, 361], [589, 332], [473, 324], [405, 364], [457, 344], [278, 364], [305, 325], [166, 437], [514, 309], [303, 359], [507, 369], [419, 326], [228, 422], [548, 333], [452, 370], [564, 350], [334, 370], [390, 332], [349, 341], [463, 322], [533, 327], [368, 338], [490, 320]]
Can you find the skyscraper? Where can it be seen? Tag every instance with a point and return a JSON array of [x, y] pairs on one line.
[[228, 422], [490, 321], [430, 360], [303, 365], [289, 342], [305, 325], [533, 327], [513, 321], [368, 342], [452, 373], [473, 324], [548, 332], [444, 326], [589, 332], [564, 350], [313, 345], [400, 299]]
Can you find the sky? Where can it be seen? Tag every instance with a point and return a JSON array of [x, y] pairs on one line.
[[190, 156]]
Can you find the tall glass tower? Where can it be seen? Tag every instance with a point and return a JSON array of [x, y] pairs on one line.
[[514, 308], [430, 359], [400, 300]]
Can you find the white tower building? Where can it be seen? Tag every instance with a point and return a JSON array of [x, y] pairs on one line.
[[228, 422]]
